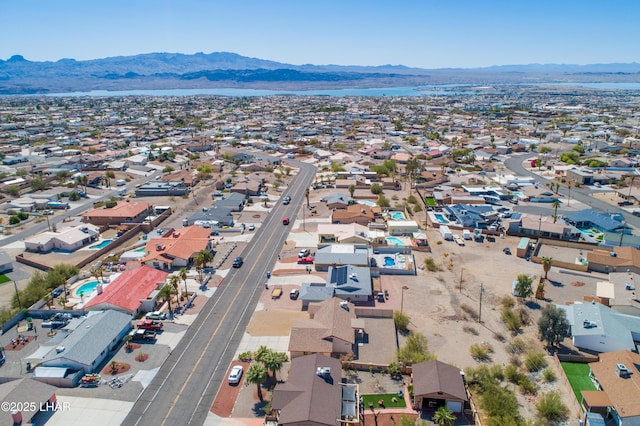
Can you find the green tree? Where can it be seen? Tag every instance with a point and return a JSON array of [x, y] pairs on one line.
[[352, 190], [443, 416], [546, 265], [273, 361], [553, 325], [14, 220], [38, 184], [524, 286], [13, 190], [174, 281], [183, 276], [256, 374], [166, 293], [555, 206], [376, 189]]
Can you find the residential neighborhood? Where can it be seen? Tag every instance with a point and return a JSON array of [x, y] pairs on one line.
[[325, 260]]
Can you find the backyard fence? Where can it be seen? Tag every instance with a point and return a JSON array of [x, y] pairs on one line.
[[574, 404]]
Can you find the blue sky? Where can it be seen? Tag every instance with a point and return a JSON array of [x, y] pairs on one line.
[[420, 33]]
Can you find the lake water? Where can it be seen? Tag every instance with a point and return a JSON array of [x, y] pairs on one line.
[[430, 90]]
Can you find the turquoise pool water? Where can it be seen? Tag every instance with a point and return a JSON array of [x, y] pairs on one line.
[[394, 242], [518, 194], [103, 244], [367, 203], [389, 261], [440, 218], [87, 288], [141, 249], [398, 216]]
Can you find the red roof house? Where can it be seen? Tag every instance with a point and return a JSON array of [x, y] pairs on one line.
[[132, 292]]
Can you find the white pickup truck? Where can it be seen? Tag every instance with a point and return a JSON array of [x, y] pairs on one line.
[[458, 239]]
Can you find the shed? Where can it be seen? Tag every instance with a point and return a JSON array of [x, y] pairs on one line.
[[437, 384]]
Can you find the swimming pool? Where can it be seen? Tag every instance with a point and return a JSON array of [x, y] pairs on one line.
[[397, 216], [87, 288], [367, 203], [140, 250], [440, 218], [389, 261], [518, 194], [395, 241], [102, 244]]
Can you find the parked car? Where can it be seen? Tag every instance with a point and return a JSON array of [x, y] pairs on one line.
[[303, 253], [142, 334], [57, 292], [305, 260], [150, 325], [235, 375], [237, 262], [252, 227], [625, 203], [636, 213], [156, 315], [293, 294]]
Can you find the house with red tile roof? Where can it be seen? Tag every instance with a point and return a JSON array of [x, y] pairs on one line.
[[178, 249], [123, 212], [132, 292]]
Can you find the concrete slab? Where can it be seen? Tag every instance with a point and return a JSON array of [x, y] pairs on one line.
[[252, 343], [145, 376]]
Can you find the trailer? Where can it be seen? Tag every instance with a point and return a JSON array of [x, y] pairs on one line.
[[466, 234], [446, 233]]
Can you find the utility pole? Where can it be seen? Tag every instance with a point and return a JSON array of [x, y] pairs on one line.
[[461, 270], [480, 310]]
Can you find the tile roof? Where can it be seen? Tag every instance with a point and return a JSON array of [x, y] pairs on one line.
[[129, 289], [182, 244], [624, 256], [623, 392], [328, 320]]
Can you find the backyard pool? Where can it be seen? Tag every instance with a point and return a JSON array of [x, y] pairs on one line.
[[367, 203], [140, 250], [102, 244], [389, 261], [519, 194], [87, 288], [440, 218], [397, 216], [395, 242]]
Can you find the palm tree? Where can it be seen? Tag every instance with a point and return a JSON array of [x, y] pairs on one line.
[[546, 265], [256, 375], [352, 190], [127, 342], [306, 194], [555, 206], [174, 280], [261, 354], [273, 362], [183, 276], [166, 293], [443, 416]]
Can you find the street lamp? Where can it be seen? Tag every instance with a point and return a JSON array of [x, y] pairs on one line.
[[404, 287]]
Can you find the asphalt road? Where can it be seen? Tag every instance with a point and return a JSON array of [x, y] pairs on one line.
[[184, 389], [514, 164]]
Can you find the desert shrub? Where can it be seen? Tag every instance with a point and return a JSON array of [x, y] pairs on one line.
[[401, 320], [500, 406], [549, 375], [515, 360], [499, 337], [481, 351], [415, 350], [535, 361], [469, 311], [482, 377], [23, 215], [470, 330], [550, 407], [431, 265], [14, 220], [511, 320], [527, 387], [245, 356], [523, 315], [497, 372], [517, 346], [507, 301], [512, 374]]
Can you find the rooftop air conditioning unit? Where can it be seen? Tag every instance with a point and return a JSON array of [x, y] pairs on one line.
[[622, 370], [323, 371]]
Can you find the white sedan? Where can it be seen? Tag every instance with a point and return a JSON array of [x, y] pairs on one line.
[[235, 375]]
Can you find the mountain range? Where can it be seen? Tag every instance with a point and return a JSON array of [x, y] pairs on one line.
[[155, 71]]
